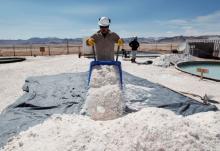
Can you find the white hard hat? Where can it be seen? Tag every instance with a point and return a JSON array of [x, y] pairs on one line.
[[104, 21]]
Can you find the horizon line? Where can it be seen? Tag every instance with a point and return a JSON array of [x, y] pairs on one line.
[[122, 37]]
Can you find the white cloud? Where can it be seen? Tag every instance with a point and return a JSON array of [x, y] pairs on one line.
[[178, 22], [200, 25], [191, 31], [186, 27], [210, 18]]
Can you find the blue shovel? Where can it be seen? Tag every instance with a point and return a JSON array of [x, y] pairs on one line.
[[98, 63]]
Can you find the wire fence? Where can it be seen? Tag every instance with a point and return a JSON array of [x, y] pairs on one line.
[[39, 50], [65, 49]]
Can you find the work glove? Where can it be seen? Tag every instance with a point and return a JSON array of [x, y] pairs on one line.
[[120, 42], [90, 42]]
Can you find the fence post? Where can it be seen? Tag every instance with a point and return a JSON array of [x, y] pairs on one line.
[[156, 44], [67, 46], [49, 50], [14, 49], [79, 49], [26, 50], [31, 49]]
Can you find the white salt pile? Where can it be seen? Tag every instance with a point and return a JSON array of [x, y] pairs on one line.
[[104, 75], [149, 129], [104, 98], [169, 59]]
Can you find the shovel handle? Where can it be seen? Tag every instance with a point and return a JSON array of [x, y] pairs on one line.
[[93, 49], [117, 52]]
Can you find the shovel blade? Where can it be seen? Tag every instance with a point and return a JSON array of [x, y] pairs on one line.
[[112, 63]]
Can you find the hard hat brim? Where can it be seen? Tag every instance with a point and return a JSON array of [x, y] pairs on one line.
[[101, 24]]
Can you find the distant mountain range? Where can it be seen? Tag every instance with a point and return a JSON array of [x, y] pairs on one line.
[[184, 38], [79, 40], [40, 41]]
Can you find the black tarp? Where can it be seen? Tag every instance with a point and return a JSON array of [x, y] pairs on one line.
[[66, 94]]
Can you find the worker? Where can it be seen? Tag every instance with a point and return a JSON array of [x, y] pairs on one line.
[[104, 41], [134, 44]]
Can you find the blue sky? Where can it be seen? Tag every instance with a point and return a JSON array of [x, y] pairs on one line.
[[23, 19]]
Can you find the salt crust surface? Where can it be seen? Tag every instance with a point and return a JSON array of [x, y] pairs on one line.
[[149, 129], [168, 59]]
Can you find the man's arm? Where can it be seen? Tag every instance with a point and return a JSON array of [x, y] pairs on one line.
[[94, 36]]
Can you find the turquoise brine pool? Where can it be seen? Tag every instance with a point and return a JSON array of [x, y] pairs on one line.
[[191, 67]]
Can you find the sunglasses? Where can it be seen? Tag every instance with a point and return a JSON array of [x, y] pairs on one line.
[[104, 26]]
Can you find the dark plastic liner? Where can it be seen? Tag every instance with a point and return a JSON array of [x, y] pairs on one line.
[[143, 54], [66, 94], [11, 60]]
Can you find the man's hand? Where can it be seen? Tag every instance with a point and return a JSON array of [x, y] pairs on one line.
[[120, 42], [90, 42]]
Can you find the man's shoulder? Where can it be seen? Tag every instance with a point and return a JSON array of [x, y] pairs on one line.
[[97, 34], [135, 41], [112, 33]]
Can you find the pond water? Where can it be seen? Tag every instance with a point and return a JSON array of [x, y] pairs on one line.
[[191, 67]]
